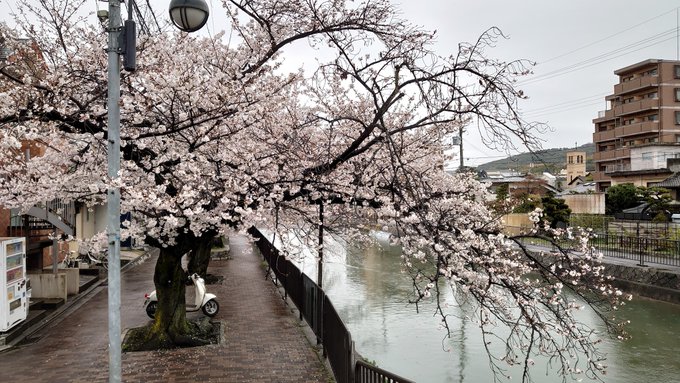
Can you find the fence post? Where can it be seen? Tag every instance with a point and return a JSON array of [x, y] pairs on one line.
[[642, 256], [350, 360]]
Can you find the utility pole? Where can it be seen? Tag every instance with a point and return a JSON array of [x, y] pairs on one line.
[[113, 194], [122, 41]]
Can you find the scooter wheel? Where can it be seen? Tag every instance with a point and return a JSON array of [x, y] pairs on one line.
[[151, 309], [211, 308]]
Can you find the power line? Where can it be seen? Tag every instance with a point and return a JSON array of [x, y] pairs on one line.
[[608, 37], [574, 101], [557, 111], [582, 65]]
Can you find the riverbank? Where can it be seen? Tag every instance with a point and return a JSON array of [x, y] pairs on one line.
[[651, 280]]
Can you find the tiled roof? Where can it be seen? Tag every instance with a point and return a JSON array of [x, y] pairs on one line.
[[670, 182]]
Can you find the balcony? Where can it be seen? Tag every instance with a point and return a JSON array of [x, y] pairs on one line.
[[636, 106], [609, 155], [604, 136], [635, 84], [604, 115], [637, 128], [599, 177], [617, 168]]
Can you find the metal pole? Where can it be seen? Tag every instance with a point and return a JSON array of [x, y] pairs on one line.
[[319, 277], [55, 252], [460, 133], [113, 194]]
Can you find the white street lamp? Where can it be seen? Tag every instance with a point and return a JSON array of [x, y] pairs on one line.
[[189, 15]]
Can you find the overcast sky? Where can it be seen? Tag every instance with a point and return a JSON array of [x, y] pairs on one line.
[[577, 44]]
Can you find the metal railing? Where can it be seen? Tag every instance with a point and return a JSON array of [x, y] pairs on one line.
[[364, 372], [320, 314], [642, 249]]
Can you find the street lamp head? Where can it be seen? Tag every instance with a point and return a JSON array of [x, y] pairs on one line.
[[189, 15]]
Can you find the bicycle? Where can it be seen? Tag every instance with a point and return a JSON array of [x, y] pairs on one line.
[[70, 259], [101, 259]]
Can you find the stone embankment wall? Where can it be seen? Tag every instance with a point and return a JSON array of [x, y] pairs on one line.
[[660, 283], [650, 282]]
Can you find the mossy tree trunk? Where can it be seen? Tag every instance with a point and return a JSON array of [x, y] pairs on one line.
[[170, 327]]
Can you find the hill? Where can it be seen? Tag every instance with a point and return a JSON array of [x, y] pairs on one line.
[[551, 160]]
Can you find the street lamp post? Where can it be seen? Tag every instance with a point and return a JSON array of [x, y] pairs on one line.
[[189, 16]]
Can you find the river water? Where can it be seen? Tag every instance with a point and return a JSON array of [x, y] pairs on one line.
[[370, 293]]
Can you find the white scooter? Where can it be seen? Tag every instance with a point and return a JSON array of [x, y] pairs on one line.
[[204, 301]]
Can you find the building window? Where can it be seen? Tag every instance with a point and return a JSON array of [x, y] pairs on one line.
[[653, 95], [647, 156], [677, 94], [653, 117], [677, 138], [677, 118], [627, 78], [571, 159], [652, 72], [676, 71], [627, 100]]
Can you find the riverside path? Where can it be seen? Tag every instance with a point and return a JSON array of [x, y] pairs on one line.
[[264, 342]]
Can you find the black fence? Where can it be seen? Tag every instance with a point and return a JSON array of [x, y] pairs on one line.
[[366, 373], [318, 311], [643, 250]]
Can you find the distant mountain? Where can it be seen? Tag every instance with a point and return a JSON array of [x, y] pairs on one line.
[[550, 160]]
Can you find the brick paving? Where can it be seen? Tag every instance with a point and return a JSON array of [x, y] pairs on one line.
[[264, 341]]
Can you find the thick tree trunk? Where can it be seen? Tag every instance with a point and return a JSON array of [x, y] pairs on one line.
[[200, 254], [170, 327]]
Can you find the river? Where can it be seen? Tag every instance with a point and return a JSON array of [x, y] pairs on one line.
[[370, 293]]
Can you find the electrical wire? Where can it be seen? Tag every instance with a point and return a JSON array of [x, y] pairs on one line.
[[608, 37], [565, 103], [646, 43], [563, 110]]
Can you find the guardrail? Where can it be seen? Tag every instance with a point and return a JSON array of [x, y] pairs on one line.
[[320, 314]]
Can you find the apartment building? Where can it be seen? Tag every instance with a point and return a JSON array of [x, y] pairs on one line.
[[641, 128]]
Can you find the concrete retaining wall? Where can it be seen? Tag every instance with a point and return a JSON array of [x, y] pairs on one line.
[[650, 282], [49, 285]]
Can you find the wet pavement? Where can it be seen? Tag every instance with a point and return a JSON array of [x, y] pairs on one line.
[[264, 341]]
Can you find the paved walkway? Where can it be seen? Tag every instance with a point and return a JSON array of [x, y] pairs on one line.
[[264, 341]]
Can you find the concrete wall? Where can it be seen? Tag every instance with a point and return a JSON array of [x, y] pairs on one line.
[[90, 222], [72, 280], [48, 285], [650, 282], [585, 203], [513, 222]]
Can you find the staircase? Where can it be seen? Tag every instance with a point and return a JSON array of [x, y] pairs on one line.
[[38, 224]]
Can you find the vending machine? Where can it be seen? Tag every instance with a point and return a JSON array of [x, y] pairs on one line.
[[14, 298]]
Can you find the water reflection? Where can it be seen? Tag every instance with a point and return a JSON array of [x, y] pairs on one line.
[[370, 293]]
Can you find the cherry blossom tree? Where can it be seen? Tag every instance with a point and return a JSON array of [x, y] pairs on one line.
[[216, 135]]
